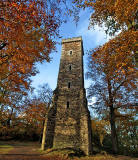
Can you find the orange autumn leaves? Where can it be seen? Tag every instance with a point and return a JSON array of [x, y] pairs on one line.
[[35, 112], [118, 53], [26, 31], [112, 67], [122, 11], [119, 15], [117, 62]]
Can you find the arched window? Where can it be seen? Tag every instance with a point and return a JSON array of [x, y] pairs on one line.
[[67, 104]]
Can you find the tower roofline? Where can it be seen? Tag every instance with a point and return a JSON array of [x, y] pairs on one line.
[[72, 39]]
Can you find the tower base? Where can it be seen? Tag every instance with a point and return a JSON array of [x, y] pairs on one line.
[[69, 127]]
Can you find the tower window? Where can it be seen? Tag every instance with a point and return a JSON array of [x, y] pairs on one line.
[[70, 67], [67, 104], [70, 52], [68, 84]]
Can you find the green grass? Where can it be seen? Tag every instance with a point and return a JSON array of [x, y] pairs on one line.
[[4, 149]]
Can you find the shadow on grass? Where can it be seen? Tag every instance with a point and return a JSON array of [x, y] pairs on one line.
[[71, 152]]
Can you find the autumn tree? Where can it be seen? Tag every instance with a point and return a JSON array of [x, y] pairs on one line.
[[45, 93], [110, 65], [99, 131], [36, 109], [27, 32], [115, 16], [127, 131], [113, 78], [9, 112], [23, 117]]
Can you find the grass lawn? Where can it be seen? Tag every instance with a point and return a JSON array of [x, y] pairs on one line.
[[4, 149]]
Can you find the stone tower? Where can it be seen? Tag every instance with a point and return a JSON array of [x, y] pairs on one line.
[[68, 123]]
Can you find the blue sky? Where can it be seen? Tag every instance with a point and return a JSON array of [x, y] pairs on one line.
[[91, 39]]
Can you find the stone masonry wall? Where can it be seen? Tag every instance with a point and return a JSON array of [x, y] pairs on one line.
[[68, 124]]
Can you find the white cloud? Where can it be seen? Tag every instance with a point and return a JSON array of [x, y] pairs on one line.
[[91, 37]]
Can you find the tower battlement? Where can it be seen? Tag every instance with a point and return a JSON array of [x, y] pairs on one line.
[[72, 39]]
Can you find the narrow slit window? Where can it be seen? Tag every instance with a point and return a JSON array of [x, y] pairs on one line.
[[67, 104], [70, 68], [68, 84], [70, 52]]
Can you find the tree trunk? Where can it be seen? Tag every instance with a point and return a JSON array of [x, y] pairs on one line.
[[41, 134], [44, 135], [8, 123], [113, 131], [112, 120]]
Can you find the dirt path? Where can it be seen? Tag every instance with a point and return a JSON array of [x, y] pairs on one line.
[[27, 150], [27, 153], [22, 151]]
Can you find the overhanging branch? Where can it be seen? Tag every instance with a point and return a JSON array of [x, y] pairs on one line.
[[2, 45]]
